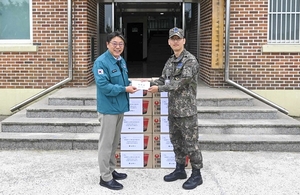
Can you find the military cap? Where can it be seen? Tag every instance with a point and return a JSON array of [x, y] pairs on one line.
[[176, 31]]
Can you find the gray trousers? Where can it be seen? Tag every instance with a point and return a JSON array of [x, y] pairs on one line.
[[109, 139]]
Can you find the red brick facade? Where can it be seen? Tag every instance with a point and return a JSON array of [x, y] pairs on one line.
[[249, 66], [49, 65]]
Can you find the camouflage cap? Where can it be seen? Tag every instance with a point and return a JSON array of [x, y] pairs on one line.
[[176, 31]]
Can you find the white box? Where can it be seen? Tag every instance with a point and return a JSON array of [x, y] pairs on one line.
[[166, 159], [134, 159], [160, 106], [140, 106], [162, 142], [160, 124], [142, 141], [137, 124]]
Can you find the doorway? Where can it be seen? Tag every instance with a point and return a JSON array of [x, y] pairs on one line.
[[135, 38], [146, 25]]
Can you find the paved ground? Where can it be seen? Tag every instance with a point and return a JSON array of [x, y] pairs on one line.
[[76, 172]]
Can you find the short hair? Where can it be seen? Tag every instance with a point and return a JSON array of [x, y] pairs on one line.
[[112, 35]]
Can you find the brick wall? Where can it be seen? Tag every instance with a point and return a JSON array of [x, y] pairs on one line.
[[205, 40], [49, 65], [249, 67], [84, 29]]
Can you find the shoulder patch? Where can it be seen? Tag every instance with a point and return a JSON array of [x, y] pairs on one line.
[[100, 71]]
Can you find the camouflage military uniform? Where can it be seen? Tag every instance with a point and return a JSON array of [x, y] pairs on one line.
[[179, 79]]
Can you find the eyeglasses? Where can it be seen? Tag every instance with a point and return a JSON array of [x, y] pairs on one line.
[[176, 39], [115, 44]]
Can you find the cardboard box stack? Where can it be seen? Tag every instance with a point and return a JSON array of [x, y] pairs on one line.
[[145, 141], [135, 149], [163, 155]]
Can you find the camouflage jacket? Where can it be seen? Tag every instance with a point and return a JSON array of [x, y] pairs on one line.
[[182, 73]]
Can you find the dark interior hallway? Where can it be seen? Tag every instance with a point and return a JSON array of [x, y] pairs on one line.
[[158, 53]]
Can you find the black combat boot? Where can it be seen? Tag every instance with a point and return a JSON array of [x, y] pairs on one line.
[[178, 173], [194, 181]]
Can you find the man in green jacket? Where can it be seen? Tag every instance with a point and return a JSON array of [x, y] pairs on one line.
[[113, 88]]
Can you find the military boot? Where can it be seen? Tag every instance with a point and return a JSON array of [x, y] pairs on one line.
[[178, 173], [194, 181]]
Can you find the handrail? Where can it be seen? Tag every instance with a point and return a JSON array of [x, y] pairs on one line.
[[70, 68], [227, 79]]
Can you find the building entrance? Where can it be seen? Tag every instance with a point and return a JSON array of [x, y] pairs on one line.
[[145, 25]]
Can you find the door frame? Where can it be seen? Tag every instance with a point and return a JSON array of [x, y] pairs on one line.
[[114, 2]]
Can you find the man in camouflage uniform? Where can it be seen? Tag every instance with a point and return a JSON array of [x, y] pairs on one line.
[[179, 79]]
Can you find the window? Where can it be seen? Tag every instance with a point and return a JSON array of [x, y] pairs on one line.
[[15, 21], [284, 21]]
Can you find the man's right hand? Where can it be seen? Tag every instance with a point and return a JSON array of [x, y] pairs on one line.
[[131, 89]]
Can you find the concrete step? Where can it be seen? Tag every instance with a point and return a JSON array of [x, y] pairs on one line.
[[217, 102], [74, 97], [42, 110], [235, 142], [228, 120], [49, 141], [210, 97], [209, 142], [20, 123], [235, 112], [47, 111], [284, 125], [69, 101]]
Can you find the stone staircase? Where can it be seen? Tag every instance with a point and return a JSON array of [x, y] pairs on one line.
[[229, 120]]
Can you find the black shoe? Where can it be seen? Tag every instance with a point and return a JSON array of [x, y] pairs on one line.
[[194, 181], [112, 184], [178, 173], [119, 176]]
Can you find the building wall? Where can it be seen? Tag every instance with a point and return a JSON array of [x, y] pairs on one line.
[[26, 73], [205, 45], [85, 28], [211, 76], [249, 65], [273, 75]]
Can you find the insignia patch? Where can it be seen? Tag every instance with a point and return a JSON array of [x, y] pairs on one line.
[[100, 71], [179, 65]]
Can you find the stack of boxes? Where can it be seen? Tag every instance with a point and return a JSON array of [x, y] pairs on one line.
[[145, 141], [163, 156], [135, 149]]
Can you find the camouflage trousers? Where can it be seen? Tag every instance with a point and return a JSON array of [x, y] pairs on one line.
[[184, 137]]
